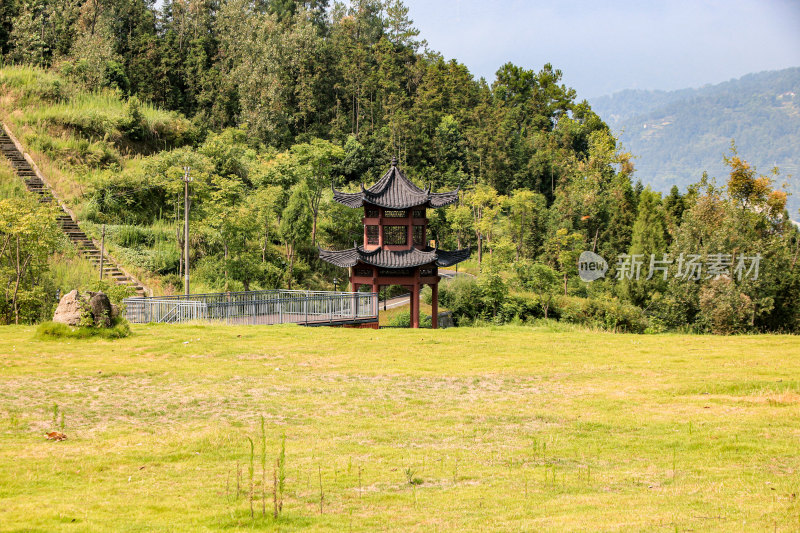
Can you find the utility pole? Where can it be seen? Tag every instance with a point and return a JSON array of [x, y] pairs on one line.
[[186, 179], [102, 250]]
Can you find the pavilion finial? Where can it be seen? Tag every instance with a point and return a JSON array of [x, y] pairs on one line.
[[394, 161]]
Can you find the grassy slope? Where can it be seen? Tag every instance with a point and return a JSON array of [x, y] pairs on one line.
[[76, 137], [508, 429]]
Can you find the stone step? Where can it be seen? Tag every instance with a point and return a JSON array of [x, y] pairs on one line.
[[36, 186]]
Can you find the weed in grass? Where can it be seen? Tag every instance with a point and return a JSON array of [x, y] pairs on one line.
[[410, 477], [275, 491], [321, 493], [263, 469], [281, 472], [251, 472], [238, 480]]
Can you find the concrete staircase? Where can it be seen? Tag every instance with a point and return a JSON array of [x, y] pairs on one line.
[[86, 246]]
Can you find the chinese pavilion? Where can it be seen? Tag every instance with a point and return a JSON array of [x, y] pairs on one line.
[[395, 249]]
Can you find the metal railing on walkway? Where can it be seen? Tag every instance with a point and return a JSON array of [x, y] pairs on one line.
[[257, 307]]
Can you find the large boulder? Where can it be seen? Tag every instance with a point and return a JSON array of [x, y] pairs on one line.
[[69, 309], [100, 307], [91, 309]]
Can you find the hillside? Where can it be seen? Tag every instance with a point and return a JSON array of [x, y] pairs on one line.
[[676, 135]]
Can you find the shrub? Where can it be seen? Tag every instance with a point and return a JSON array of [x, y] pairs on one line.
[[116, 293], [541, 279], [403, 320], [55, 331], [130, 236], [521, 307], [463, 297], [724, 309], [610, 314], [493, 288]]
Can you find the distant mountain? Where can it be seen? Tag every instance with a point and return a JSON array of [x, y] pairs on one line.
[[676, 135]]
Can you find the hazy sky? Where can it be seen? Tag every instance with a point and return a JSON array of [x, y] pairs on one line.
[[603, 47]]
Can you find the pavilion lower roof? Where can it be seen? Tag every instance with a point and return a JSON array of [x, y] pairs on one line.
[[394, 258], [395, 191]]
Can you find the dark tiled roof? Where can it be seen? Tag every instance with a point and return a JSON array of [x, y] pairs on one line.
[[446, 259], [392, 258], [395, 191]]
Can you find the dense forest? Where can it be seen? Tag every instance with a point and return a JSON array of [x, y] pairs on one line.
[[272, 102], [679, 134]]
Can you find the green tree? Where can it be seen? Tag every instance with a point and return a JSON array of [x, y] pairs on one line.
[[485, 204], [28, 235], [564, 248], [8, 10], [649, 239], [541, 279], [315, 163], [493, 289], [527, 217], [295, 226]]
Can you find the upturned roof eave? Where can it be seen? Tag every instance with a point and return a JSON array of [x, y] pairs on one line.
[[395, 191], [402, 259]]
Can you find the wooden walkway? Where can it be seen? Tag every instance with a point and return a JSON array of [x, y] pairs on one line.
[[35, 184]]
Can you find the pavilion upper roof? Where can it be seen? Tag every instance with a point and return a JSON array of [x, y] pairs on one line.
[[395, 191], [394, 258]]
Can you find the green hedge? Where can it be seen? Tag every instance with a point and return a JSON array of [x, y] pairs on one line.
[[610, 314], [469, 304]]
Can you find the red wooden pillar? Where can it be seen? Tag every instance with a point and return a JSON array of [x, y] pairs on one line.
[[415, 306], [435, 305], [354, 287]]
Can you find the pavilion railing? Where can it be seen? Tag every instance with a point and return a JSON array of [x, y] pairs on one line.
[[256, 307]]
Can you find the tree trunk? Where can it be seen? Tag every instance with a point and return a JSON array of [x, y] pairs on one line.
[[266, 243], [20, 270], [225, 245], [314, 227], [291, 267], [16, 286]]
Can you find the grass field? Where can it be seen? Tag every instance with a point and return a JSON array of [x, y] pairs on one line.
[[509, 429]]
